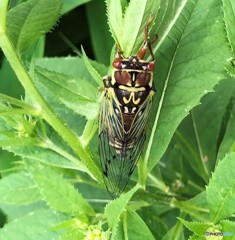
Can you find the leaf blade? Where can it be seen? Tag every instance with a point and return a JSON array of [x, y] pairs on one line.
[[134, 24], [18, 188], [190, 74], [29, 20], [115, 208], [57, 191], [220, 191]]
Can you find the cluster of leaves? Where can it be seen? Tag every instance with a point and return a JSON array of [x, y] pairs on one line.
[[51, 183]]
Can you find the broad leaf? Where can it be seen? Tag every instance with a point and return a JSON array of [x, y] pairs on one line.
[[95, 75], [228, 143], [196, 207], [76, 94], [58, 192], [199, 228], [131, 226], [128, 31], [202, 130], [33, 226], [74, 67], [30, 20], [115, 208], [184, 74], [137, 15], [9, 79], [229, 17], [175, 233], [71, 4], [48, 156], [102, 42], [228, 228], [220, 192], [18, 188], [115, 19]]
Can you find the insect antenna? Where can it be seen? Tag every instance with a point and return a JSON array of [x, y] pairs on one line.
[[147, 43]]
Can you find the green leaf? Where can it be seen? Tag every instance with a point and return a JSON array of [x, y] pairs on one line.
[[75, 67], [167, 16], [115, 19], [57, 191], [96, 76], [89, 131], [184, 74], [72, 234], [228, 143], [9, 79], [101, 40], [195, 237], [30, 20], [76, 94], [220, 192], [199, 228], [199, 138], [71, 4], [228, 229], [131, 224], [137, 15], [48, 156], [115, 208], [34, 226], [18, 188], [196, 207], [128, 31], [175, 233], [229, 17]]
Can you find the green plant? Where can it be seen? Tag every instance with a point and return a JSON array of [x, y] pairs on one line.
[[51, 183]]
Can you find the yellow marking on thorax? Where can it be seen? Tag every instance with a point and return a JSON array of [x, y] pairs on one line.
[[132, 89], [132, 97]]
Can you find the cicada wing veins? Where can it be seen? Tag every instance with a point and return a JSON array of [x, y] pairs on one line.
[[141, 119], [118, 160], [119, 154]]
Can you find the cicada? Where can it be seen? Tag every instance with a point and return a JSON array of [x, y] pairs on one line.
[[124, 115]]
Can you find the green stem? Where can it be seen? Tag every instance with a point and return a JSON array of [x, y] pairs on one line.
[[88, 132], [142, 174], [43, 108], [3, 11], [16, 102], [124, 222], [159, 184], [199, 147]]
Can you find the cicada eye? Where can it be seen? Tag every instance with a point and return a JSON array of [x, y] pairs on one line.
[[117, 64], [150, 66]]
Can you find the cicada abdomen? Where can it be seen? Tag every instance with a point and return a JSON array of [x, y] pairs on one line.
[[124, 115]]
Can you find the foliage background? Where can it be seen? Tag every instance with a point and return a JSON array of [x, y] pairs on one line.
[[51, 185]]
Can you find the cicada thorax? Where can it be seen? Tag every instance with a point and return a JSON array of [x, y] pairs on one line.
[[132, 82]]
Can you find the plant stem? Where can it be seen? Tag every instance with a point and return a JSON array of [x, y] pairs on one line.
[[41, 105], [3, 11], [159, 184], [142, 173], [206, 174]]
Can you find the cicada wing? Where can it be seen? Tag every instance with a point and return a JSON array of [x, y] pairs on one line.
[[118, 157], [118, 160], [141, 119], [119, 154]]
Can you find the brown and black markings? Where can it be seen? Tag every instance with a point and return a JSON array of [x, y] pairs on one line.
[[124, 114]]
